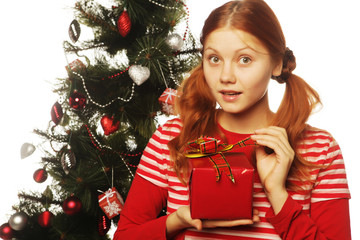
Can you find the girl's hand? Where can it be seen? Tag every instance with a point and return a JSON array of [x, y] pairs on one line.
[[181, 219], [273, 168], [231, 223]]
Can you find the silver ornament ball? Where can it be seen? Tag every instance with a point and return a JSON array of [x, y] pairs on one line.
[[18, 221], [175, 41]]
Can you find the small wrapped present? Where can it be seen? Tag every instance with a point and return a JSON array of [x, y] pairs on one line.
[[167, 100], [111, 202], [75, 66], [221, 183]]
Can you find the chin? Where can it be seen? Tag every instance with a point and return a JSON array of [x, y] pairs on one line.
[[234, 111]]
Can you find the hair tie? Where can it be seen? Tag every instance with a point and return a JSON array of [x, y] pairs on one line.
[[289, 64]]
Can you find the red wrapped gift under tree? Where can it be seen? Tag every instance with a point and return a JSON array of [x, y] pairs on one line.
[[167, 100], [221, 182], [111, 202]]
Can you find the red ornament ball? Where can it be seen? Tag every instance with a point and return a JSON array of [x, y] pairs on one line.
[[108, 125], [72, 205], [124, 23], [45, 219], [6, 231], [77, 100], [40, 175]]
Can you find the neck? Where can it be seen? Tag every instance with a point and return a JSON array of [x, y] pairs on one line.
[[247, 121]]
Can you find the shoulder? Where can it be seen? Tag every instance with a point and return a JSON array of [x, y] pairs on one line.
[[318, 145], [171, 127], [317, 137], [165, 133], [313, 133]]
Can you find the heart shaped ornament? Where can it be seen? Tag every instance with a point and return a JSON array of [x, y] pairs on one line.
[[139, 74], [108, 125]]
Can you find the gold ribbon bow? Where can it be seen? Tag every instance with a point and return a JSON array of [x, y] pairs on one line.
[[213, 149]]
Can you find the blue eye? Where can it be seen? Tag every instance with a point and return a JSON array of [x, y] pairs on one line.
[[245, 60]]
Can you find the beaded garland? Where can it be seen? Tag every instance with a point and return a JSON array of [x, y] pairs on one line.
[[101, 147], [187, 13], [168, 62], [109, 103]]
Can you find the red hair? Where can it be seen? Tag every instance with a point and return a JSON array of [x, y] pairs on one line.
[[197, 107]]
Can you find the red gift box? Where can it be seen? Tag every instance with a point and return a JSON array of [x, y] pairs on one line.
[[222, 199], [76, 66], [167, 100], [111, 202]]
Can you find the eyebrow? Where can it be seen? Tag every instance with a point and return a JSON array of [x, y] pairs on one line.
[[238, 50]]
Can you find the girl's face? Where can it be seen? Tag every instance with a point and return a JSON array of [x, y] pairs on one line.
[[237, 69]]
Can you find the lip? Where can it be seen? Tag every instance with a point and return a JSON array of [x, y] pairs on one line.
[[230, 95]]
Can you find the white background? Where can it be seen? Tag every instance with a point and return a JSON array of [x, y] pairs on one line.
[[323, 34]]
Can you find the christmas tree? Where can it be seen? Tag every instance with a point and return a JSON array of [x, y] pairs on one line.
[[119, 83]]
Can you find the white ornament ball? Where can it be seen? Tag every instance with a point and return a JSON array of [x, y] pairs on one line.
[[175, 41], [18, 221], [139, 74]]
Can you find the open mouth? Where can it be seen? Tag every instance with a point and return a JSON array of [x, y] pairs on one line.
[[230, 93], [230, 96]]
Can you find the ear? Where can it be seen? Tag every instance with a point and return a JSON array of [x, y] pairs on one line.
[[277, 69]]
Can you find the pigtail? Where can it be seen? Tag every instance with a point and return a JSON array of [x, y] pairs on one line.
[[299, 101], [196, 107]]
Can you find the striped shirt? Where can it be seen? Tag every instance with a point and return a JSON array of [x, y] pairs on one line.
[[318, 147]]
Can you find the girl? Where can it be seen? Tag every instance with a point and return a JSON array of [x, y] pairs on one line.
[[300, 189]]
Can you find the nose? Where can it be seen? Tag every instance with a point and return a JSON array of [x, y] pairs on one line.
[[227, 74]]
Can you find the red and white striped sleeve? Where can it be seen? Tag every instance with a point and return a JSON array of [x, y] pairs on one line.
[[329, 211], [155, 161], [331, 182]]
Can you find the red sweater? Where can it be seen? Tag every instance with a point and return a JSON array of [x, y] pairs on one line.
[[321, 214]]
